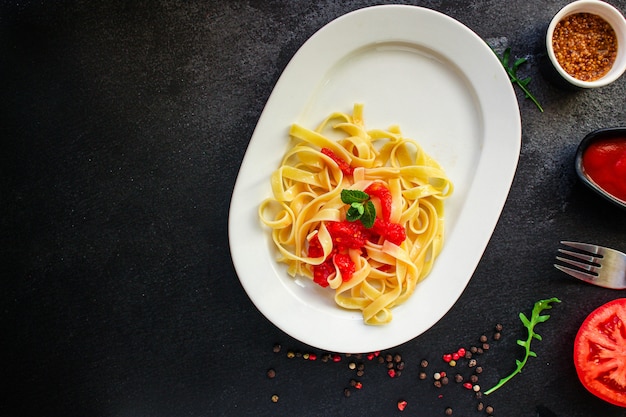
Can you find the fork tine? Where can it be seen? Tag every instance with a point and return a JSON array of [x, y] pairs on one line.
[[577, 274], [582, 246], [584, 256], [594, 269]]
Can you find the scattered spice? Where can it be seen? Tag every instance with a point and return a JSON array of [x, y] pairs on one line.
[[394, 364], [402, 405]]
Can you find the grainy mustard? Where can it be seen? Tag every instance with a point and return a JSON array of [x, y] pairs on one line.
[[585, 45]]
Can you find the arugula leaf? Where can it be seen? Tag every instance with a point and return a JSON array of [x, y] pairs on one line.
[[512, 72], [535, 318], [361, 207]]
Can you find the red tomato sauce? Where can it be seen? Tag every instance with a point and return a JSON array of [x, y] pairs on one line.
[[604, 161]]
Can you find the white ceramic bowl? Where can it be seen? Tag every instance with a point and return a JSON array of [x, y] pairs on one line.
[[610, 14]]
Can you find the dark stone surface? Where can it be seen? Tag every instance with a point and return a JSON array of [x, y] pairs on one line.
[[123, 125]]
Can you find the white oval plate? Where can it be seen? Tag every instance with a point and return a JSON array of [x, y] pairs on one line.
[[445, 88]]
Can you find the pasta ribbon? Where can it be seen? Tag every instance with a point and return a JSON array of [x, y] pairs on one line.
[[307, 201]]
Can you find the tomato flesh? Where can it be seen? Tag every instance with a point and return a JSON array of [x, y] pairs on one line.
[[344, 166], [600, 352]]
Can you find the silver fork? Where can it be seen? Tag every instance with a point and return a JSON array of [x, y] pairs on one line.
[[601, 266]]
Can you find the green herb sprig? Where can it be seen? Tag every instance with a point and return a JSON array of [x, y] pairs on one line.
[[512, 72], [535, 318], [361, 207]]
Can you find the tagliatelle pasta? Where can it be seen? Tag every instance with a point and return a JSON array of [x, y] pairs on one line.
[[371, 266]]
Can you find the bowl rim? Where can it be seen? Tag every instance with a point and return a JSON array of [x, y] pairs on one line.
[[617, 21], [603, 133]]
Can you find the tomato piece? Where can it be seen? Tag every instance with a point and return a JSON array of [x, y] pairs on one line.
[[345, 265], [393, 232], [600, 352], [315, 247], [322, 271], [380, 191], [348, 235], [344, 166]]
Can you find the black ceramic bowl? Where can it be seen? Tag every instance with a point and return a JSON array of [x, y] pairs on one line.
[[617, 132]]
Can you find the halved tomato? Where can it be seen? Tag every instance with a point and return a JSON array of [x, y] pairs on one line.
[[600, 352]]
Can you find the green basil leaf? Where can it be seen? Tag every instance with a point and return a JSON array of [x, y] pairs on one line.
[[354, 213], [369, 215], [353, 196]]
